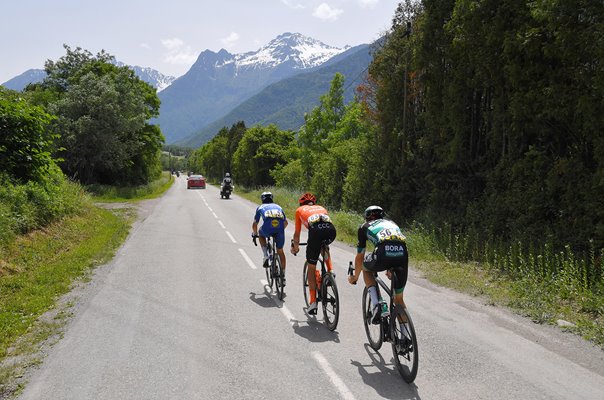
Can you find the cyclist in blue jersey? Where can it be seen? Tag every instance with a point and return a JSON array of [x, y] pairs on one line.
[[390, 252], [273, 222]]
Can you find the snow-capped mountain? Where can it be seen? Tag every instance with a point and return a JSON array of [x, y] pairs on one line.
[[149, 75], [301, 51], [219, 81]]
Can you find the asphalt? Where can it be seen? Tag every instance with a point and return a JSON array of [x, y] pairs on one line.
[[182, 313]]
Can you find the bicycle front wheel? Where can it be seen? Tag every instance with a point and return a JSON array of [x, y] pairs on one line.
[[374, 332], [305, 287], [278, 273], [404, 344], [331, 301]]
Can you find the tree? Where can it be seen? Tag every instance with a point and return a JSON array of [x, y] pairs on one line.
[[26, 143], [259, 151], [103, 112]]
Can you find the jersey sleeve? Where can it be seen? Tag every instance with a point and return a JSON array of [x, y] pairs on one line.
[[258, 215], [362, 238]]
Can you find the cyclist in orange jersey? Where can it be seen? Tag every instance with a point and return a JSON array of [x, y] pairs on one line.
[[320, 229]]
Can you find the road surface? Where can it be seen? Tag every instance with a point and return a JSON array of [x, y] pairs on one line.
[[182, 312]]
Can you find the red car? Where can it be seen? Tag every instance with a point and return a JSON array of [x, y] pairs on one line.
[[196, 181]]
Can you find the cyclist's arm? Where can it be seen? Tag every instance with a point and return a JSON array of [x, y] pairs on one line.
[[256, 220], [358, 259], [358, 264], [296, 240]]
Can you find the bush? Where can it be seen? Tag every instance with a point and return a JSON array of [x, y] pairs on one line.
[[32, 205]]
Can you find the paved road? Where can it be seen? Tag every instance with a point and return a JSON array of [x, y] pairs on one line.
[[182, 313]]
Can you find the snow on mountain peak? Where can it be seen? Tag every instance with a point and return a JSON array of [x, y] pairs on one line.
[[303, 52]]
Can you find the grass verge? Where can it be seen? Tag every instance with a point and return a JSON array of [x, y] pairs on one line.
[[540, 300], [115, 194], [36, 270]]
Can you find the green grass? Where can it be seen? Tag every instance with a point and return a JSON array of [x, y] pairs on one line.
[[543, 298], [115, 194], [37, 269]]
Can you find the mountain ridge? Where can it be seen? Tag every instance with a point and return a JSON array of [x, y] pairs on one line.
[[285, 102], [146, 74], [219, 81]]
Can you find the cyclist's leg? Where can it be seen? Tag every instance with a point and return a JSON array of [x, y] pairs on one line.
[[328, 234], [313, 248], [370, 267], [262, 238], [279, 243]]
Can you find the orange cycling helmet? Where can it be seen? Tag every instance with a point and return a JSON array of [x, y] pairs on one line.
[[306, 198]]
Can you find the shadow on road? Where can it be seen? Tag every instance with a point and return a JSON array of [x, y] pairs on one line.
[[263, 299], [314, 331], [386, 381]]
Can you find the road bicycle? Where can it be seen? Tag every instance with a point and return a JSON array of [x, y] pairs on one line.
[[327, 289], [396, 328], [274, 272]]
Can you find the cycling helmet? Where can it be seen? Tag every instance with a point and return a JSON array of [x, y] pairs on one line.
[[227, 175], [266, 197], [374, 212], [307, 198]]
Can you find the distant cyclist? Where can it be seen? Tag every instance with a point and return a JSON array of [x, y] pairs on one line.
[[390, 253], [273, 222], [320, 229]]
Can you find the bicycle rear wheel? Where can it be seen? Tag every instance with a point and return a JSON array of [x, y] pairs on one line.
[[404, 344], [268, 271], [278, 273], [305, 287], [331, 301], [374, 332]]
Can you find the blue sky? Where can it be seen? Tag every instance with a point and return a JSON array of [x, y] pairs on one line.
[[169, 35]]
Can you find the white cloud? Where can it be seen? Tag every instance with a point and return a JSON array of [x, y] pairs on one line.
[[324, 11], [172, 44], [230, 40], [145, 46], [293, 4], [178, 52], [368, 3]]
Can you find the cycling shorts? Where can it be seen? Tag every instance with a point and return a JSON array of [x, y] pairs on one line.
[[279, 235], [390, 255], [318, 233]]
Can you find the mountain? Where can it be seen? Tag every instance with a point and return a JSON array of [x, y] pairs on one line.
[[218, 82], [30, 76], [149, 75], [284, 103]]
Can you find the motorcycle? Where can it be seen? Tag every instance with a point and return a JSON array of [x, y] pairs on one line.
[[225, 191]]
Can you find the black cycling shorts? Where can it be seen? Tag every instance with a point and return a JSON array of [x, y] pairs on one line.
[[390, 255], [318, 233]]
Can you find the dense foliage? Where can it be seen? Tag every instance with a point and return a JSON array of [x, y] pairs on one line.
[[102, 117], [26, 143]]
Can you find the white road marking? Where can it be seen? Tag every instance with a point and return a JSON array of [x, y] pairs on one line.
[[284, 310], [210, 208], [221, 224], [214, 214], [246, 257], [231, 237], [335, 379]]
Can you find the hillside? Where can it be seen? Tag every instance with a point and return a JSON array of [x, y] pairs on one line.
[[220, 81], [284, 103]]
